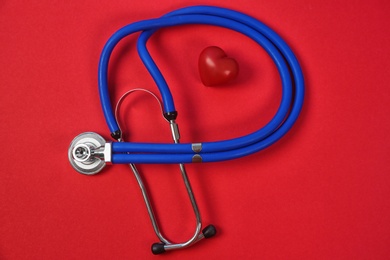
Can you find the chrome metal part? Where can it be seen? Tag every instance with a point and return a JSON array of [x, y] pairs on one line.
[[175, 131], [197, 147], [107, 152], [167, 244], [126, 94], [85, 153], [147, 203], [197, 158], [198, 235]]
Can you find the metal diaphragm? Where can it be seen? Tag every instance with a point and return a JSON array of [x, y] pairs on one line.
[[81, 153]]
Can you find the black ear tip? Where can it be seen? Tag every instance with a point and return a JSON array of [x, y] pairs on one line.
[[209, 231], [158, 248]]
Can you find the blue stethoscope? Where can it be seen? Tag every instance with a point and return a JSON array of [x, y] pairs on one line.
[[89, 152]]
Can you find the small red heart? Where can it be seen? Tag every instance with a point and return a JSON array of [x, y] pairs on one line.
[[215, 67]]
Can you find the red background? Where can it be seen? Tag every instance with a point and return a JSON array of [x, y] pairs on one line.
[[322, 192]]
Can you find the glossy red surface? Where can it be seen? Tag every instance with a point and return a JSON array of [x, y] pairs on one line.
[[215, 67]]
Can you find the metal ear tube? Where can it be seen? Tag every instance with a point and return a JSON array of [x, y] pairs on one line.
[[165, 244], [88, 154]]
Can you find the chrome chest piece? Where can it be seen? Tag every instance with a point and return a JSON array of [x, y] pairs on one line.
[[88, 153]]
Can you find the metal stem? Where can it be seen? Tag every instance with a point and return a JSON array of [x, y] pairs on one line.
[[197, 234], [168, 245], [148, 204]]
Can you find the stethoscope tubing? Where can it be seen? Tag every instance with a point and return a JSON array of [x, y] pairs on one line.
[[284, 59]]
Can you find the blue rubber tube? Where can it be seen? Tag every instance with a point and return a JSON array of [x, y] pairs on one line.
[[281, 54]]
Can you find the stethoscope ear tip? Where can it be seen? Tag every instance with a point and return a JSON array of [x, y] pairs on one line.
[[209, 231], [158, 248]]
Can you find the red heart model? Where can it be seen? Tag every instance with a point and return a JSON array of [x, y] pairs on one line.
[[215, 67]]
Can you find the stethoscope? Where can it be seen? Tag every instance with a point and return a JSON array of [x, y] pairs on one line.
[[89, 152]]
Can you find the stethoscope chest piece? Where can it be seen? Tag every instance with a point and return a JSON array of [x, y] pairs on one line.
[[84, 153]]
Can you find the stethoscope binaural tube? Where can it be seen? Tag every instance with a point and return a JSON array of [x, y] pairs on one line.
[[281, 54]]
